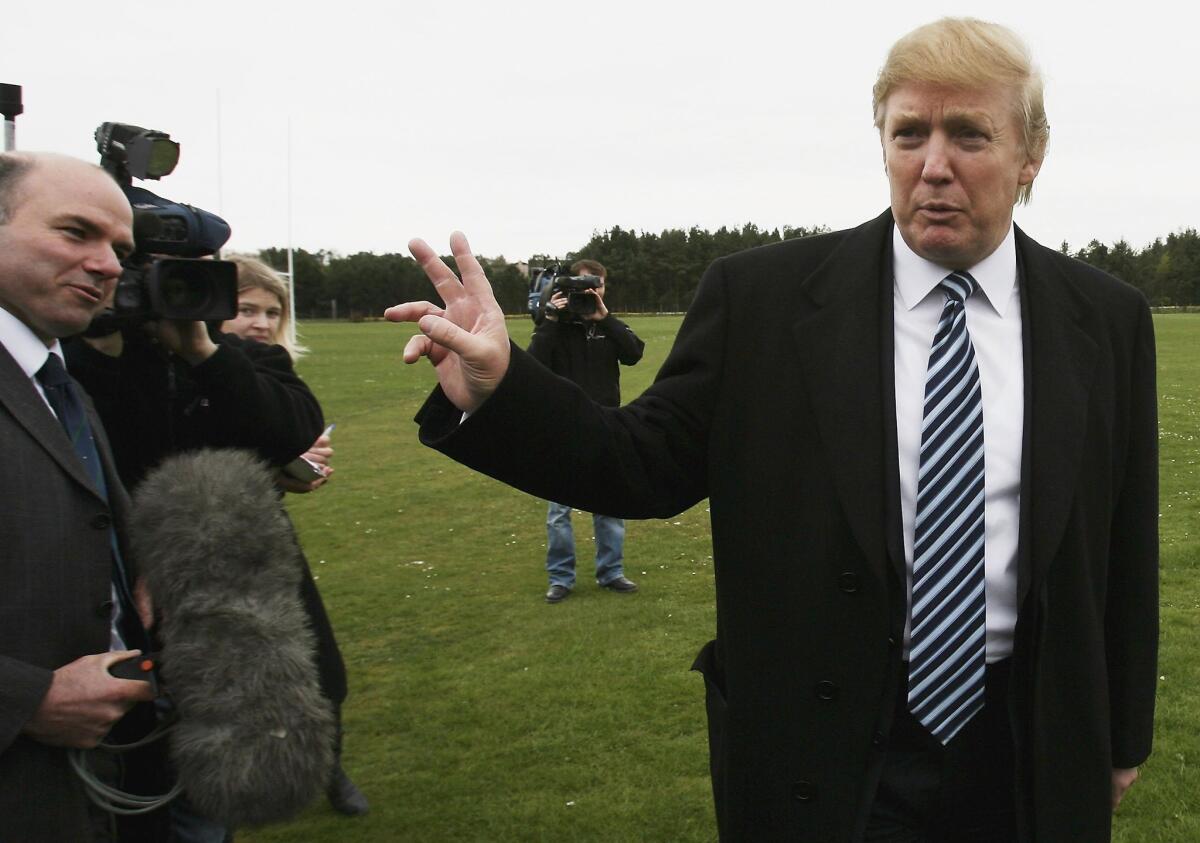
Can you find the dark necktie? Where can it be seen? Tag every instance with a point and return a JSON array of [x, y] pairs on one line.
[[61, 393], [947, 645]]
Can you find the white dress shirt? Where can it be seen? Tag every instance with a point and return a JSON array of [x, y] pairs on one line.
[[25, 348], [994, 324]]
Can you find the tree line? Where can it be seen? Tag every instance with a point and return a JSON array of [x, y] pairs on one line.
[[656, 273]]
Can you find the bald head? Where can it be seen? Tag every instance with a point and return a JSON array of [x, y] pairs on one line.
[[66, 226], [15, 167]]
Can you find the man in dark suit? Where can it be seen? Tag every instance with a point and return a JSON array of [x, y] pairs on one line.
[[66, 611], [932, 474]]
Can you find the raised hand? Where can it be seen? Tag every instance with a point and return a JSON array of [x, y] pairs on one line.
[[467, 341]]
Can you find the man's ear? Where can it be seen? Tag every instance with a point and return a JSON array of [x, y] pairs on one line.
[[1029, 171]]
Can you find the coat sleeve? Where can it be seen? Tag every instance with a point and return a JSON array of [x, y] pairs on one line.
[[629, 345], [646, 459], [544, 340], [256, 400], [1131, 617], [22, 687]]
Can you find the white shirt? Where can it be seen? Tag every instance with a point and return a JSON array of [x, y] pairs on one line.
[[994, 324], [31, 354], [25, 348]]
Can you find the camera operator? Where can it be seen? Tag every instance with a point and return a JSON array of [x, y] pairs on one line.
[[167, 387], [580, 340]]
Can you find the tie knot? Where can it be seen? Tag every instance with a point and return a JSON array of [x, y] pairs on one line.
[[53, 373], [959, 286]]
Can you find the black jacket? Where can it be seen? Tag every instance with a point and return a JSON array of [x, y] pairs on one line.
[[247, 395], [784, 417], [587, 353]]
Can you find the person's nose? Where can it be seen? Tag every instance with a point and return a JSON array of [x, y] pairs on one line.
[[102, 263], [937, 166], [260, 320]]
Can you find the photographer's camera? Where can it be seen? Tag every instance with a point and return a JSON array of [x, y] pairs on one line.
[[165, 278]]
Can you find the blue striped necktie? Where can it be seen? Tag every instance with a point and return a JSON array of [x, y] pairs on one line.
[[947, 655], [61, 393]]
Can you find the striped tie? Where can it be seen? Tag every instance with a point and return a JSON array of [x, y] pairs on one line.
[[62, 394], [947, 643]]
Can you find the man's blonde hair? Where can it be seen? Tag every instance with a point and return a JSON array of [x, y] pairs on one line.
[[253, 274], [970, 53]]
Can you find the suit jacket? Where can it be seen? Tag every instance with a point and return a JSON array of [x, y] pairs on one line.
[[55, 598], [783, 415]]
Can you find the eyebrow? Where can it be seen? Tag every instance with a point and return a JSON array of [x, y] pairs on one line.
[[123, 247], [973, 116], [953, 116]]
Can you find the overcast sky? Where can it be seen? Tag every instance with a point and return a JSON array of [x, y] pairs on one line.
[[531, 124]]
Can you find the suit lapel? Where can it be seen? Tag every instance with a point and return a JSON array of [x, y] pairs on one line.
[[1057, 392], [20, 398], [838, 333]]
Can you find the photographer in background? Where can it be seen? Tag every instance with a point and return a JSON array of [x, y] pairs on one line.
[[581, 341]]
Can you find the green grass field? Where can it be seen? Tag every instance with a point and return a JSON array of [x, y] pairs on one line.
[[477, 712]]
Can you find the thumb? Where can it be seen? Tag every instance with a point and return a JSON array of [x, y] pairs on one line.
[[445, 333]]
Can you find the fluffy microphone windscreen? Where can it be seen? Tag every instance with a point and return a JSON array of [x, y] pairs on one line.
[[255, 738]]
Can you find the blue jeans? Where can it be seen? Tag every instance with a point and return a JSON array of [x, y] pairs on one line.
[[188, 826], [560, 546]]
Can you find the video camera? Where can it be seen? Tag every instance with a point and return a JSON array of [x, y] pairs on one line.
[[164, 278], [555, 279]]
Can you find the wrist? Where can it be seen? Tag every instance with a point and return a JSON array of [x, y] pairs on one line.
[[196, 354]]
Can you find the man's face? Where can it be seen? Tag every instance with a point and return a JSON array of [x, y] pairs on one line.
[[60, 251], [954, 158]]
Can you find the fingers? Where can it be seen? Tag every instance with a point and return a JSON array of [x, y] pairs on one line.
[[318, 455], [1122, 780], [473, 277], [411, 311], [474, 281], [107, 660], [437, 331], [131, 690], [143, 693], [445, 333], [444, 281], [417, 347], [143, 601]]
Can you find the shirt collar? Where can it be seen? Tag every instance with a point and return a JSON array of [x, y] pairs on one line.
[[916, 277], [24, 345]]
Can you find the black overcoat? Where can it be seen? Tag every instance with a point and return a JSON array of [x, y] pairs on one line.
[[777, 403]]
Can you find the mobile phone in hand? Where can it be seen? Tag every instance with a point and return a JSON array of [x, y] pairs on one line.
[[306, 470]]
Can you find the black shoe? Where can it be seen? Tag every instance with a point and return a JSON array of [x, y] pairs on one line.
[[344, 795], [621, 585], [557, 594]]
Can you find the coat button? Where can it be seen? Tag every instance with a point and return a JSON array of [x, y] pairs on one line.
[[879, 739], [105, 609], [804, 791], [102, 521], [826, 690], [848, 582]]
